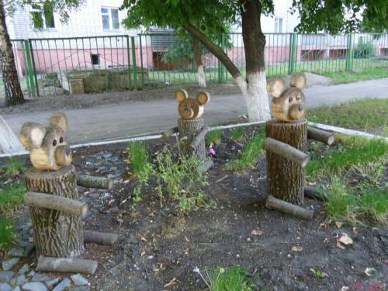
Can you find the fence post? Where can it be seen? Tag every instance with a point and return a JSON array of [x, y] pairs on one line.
[[32, 88], [293, 55], [129, 63], [136, 85], [349, 53], [221, 72], [141, 62]]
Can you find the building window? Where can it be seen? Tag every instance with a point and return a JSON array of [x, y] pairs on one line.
[[110, 18], [95, 59], [278, 24], [42, 15]]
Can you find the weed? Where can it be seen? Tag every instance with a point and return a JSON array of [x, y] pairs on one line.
[[7, 233], [11, 197], [138, 157], [213, 136], [228, 278], [14, 166], [250, 153], [373, 204], [340, 203], [236, 133], [318, 273]]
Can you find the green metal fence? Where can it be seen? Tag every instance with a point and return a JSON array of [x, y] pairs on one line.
[[76, 65]]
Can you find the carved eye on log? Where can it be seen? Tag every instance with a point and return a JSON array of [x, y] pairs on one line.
[[47, 146]]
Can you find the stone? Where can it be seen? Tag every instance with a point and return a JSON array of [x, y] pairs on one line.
[[5, 276], [8, 265], [24, 269], [40, 277], [81, 288], [16, 252], [34, 286], [17, 288], [5, 287], [79, 280], [62, 285], [51, 283], [21, 279]]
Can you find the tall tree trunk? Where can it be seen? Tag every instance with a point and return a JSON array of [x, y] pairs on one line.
[[198, 63], [254, 43], [253, 88], [13, 91]]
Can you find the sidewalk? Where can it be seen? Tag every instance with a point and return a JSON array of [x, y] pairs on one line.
[[117, 121]]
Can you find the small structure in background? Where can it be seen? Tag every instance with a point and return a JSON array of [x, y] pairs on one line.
[[53, 199], [286, 145]]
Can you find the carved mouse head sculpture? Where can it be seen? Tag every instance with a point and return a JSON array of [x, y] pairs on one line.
[[190, 108], [47, 145], [287, 104]]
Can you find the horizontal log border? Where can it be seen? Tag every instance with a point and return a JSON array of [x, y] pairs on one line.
[[66, 265]]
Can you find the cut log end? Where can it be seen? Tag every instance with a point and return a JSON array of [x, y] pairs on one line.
[[101, 238], [320, 135]]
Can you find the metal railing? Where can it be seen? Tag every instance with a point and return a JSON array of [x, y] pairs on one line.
[[58, 66]]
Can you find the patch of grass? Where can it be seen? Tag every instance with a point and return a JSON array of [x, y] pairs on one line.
[[249, 154], [361, 114], [228, 278], [11, 196], [358, 75], [236, 133], [7, 233], [138, 157], [340, 202], [14, 165], [373, 204], [213, 136], [356, 151]]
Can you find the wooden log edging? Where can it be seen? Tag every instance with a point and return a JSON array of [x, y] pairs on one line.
[[66, 265], [289, 208], [320, 135], [199, 138], [310, 192], [54, 202], [95, 182], [286, 151], [100, 238]]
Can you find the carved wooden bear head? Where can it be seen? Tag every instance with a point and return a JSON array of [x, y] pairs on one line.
[[287, 104], [47, 145], [190, 108]]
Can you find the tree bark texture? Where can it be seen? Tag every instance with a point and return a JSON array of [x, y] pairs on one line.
[[13, 91], [188, 131], [66, 265], [198, 63], [285, 178], [56, 234]]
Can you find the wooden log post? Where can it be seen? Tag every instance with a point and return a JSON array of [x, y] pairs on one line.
[[66, 265], [285, 207], [320, 135], [95, 182], [100, 238], [56, 233], [188, 132], [285, 176]]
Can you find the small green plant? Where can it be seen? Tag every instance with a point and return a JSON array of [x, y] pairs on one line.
[[373, 204], [228, 278], [340, 203], [213, 136], [250, 153], [7, 233], [14, 166], [318, 273], [236, 133], [138, 157], [11, 196]]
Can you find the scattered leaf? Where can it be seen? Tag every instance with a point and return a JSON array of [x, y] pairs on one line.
[[339, 245], [174, 281], [256, 232], [338, 224], [296, 249], [345, 239], [370, 272]]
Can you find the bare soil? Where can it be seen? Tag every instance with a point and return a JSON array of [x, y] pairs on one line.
[[159, 247]]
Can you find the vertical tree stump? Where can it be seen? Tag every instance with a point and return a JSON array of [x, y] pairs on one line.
[[56, 234], [285, 178], [188, 131]]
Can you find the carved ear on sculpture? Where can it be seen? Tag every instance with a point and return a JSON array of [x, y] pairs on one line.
[[203, 97], [58, 119], [181, 95], [32, 135], [276, 87], [298, 80]]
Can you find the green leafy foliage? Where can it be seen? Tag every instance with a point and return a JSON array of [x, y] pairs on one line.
[[229, 278], [236, 133], [213, 136], [138, 157], [364, 50], [14, 166], [11, 197], [7, 233]]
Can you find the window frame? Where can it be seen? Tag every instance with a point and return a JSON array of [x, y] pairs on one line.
[[37, 9], [109, 14]]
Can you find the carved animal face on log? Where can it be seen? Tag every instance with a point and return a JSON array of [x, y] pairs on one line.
[[190, 108], [47, 145], [287, 104]]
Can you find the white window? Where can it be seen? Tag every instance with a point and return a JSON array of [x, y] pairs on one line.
[[42, 17], [110, 18], [278, 24]]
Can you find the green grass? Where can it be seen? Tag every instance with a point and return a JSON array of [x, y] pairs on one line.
[[7, 233], [213, 136], [358, 75], [236, 133], [229, 278], [362, 114], [11, 196], [138, 157], [340, 201], [14, 165], [249, 154], [356, 151]]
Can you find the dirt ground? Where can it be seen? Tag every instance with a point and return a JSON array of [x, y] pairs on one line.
[[159, 248]]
